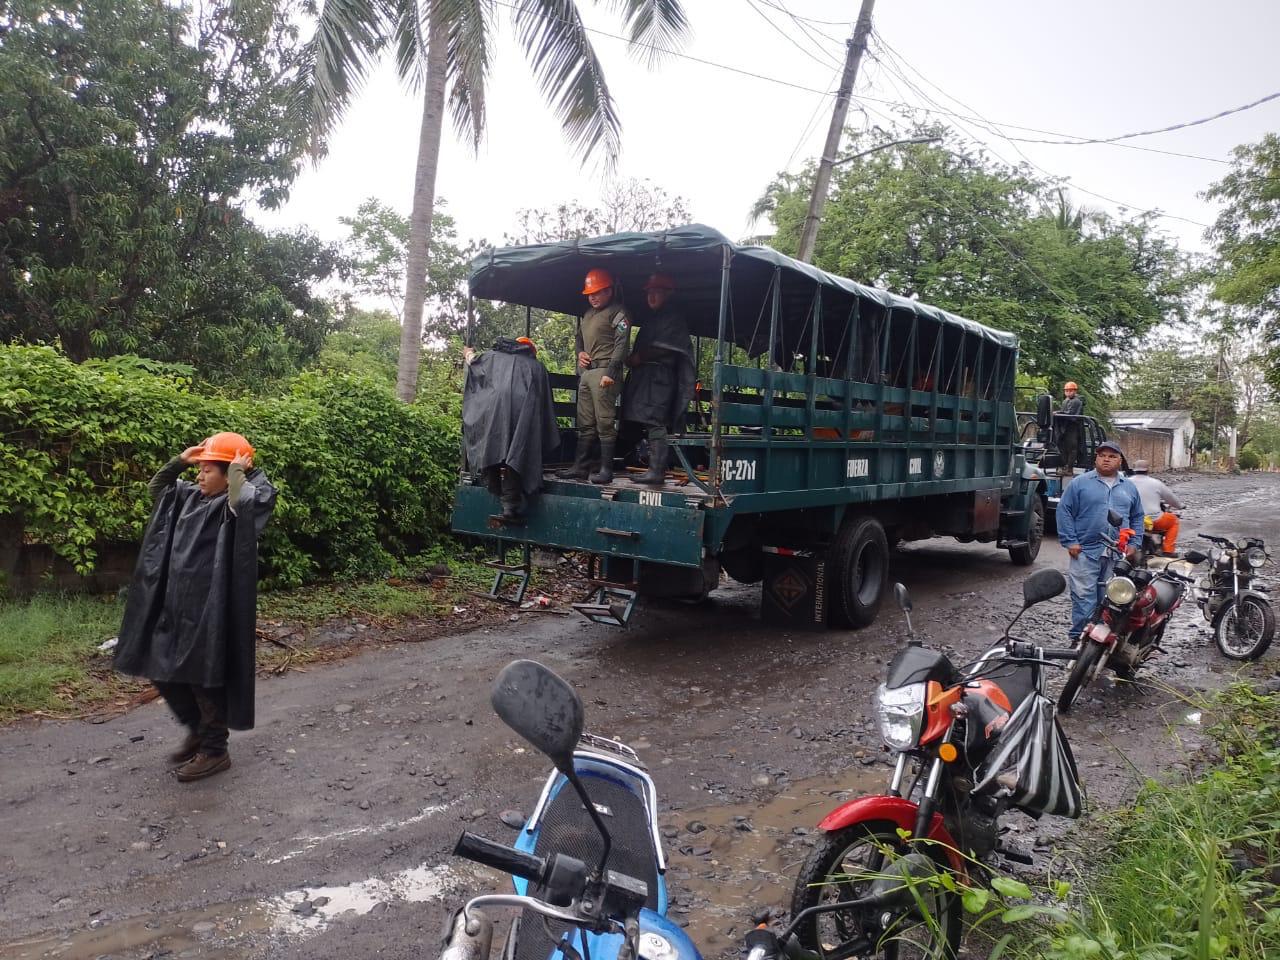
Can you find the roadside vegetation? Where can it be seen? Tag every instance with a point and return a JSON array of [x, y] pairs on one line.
[[1191, 869]]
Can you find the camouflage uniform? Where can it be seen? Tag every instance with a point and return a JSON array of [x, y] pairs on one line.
[[603, 334]]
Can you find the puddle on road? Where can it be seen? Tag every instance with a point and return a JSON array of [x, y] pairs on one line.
[[748, 856], [227, 929]]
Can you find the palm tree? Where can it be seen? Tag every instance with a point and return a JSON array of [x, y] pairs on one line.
[[445, 48]]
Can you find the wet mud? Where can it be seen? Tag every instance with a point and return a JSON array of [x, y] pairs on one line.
[[331, 833]]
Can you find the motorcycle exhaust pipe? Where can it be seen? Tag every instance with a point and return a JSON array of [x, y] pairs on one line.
[[469, 938]]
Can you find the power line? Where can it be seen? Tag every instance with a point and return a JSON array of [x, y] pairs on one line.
[[830, 61], [796, 16], [900, 63], [1176, 126], [667, 51]]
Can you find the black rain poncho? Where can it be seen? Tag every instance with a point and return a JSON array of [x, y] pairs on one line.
[[191, 614], [658, 390], [507, 416]]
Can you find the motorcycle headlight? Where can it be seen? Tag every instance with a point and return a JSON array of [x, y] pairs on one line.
[[900, 711], [1121, 590], [1256, 556]]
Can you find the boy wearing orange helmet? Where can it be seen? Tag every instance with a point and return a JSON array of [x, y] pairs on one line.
[[191, 616], [602, 350]]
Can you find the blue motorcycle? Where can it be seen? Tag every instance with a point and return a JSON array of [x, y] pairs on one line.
[[588, 866]]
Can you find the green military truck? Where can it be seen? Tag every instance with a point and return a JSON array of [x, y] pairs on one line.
[[839, 420]]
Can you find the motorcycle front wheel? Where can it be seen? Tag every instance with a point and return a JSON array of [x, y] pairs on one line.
[[1244, 629], [1084, 666], [843, 866]]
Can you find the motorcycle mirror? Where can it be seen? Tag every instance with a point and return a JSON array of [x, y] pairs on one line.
[[902, 596], [1042, 585], [1194, 556], [541, 707], [1114, 518]]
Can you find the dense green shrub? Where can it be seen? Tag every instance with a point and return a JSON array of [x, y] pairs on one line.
[[363, 479], [1249, 459]]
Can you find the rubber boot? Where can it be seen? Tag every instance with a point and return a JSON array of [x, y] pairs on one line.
[[605, 473], [656, 475], [581, 468], [512, 495]]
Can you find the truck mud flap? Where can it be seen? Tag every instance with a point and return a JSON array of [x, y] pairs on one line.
[[662, 534]]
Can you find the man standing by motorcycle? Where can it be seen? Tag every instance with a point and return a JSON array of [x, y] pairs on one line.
[[1082, 524], [1155, 494]]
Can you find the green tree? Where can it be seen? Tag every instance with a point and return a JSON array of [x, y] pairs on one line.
[[998, 245], [132, 134], [1168, 378], [377, 251], [1246, 238], [445, 47]]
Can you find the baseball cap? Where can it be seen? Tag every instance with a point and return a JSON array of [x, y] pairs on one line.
[[1110, 445]]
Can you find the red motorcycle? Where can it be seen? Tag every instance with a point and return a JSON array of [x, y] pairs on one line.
[[1129, 623], [977, 741]]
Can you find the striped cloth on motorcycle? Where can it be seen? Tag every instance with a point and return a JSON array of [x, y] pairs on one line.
[[1033, 765]]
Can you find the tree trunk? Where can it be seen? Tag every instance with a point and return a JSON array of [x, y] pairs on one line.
[[424, 197]]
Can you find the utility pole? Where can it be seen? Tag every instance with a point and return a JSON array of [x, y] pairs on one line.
[[853, 56]]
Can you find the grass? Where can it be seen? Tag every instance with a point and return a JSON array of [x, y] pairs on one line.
[[1191, 869], [48, 653], [49, 660]]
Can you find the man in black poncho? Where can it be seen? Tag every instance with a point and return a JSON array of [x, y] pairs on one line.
[[508, 424], [191, 617], [662, 377]]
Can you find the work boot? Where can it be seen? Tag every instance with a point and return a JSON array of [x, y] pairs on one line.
[[189, 748], [203, 765], [605, 473], [657, 472], [512, 495], [581, 468]]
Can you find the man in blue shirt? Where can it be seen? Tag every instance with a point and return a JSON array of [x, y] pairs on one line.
[[1082, 523]]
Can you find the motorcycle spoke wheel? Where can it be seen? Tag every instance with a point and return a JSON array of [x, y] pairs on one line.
[[1081, 675], [1244, 630], [842, 867]]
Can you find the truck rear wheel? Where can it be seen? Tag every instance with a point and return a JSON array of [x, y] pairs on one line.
[[860, 572], [1025, 555]]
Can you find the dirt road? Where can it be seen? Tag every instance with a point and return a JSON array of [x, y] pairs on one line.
[[329, 836]]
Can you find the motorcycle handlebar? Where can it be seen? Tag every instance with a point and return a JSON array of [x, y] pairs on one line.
[[501, 857], [1022, 650]]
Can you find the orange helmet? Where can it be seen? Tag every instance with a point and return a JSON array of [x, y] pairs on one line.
[[224, 447], [529, 343], [1070, 385], [659, 281], [596, 281]]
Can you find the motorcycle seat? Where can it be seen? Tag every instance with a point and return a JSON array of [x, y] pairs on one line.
[[1167, 594]]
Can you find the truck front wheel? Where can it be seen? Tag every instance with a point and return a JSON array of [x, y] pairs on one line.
[[860, 572]]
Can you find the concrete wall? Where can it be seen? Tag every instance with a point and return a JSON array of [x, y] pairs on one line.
[[1153, 446], [26, 568], [1183, 455]]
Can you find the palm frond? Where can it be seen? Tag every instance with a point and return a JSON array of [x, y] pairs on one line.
[[349, 35], [408, 22], [469, 58], [655, 28], [569, 73]]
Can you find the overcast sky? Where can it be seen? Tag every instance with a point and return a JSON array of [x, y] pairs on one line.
[[716, 137]]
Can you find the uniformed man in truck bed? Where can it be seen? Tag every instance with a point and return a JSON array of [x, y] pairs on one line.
[[602, 350], [662, 377]]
